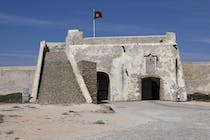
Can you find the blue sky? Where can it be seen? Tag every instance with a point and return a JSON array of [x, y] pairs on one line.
[[24, 23]]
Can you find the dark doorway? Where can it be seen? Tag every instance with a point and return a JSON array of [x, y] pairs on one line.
[[150, 88], [102, 87]]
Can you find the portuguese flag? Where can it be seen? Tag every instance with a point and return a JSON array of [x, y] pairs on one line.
[[97, 14]]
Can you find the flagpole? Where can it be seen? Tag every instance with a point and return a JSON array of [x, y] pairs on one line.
[[94, 24]]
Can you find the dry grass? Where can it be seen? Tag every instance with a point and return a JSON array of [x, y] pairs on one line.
[[99, 122], [10, 132]]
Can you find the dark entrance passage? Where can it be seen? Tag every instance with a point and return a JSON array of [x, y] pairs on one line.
[[102, 86], [150, 88]]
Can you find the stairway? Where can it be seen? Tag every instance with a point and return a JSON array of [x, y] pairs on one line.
[[58, 84]]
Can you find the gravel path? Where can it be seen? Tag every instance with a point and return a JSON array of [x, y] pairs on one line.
[[167, 121]]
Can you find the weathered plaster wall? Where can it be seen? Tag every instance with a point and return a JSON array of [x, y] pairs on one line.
[[126, 66], [197, 77], [14, 79]]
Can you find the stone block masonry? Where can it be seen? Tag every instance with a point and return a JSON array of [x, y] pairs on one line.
[[58, 84], [89, 74]]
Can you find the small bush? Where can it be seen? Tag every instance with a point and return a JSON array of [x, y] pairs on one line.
[[99, 122], [198, 97], [11, 98], [10, 132]]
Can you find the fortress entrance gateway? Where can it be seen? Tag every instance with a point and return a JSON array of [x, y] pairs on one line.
[[150, 88], [102, 86]]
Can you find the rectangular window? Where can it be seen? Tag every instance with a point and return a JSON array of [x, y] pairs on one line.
[[150, 64]]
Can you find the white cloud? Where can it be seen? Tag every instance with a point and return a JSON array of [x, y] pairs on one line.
[[207, 40], [191, 56], [203, 40], [18, 58], [12, 19], [19, 54]]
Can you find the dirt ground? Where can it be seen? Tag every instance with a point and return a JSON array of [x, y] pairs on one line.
[[40, 122], [35, 121], [198, 103]]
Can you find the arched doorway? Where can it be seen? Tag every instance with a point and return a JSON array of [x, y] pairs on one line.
[[102, 87], [150, 88]]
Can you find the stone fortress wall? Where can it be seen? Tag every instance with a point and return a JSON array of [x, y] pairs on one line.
[[197, 77], [124, 60], [14, 79]]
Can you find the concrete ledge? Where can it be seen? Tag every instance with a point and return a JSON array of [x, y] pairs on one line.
[[38, 72], [75, 37]]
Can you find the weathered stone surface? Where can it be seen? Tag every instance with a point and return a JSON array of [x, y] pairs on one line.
[[58, 83], [150, 64], [89, 74], [14, 79], [123, 57], [197, 77]]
